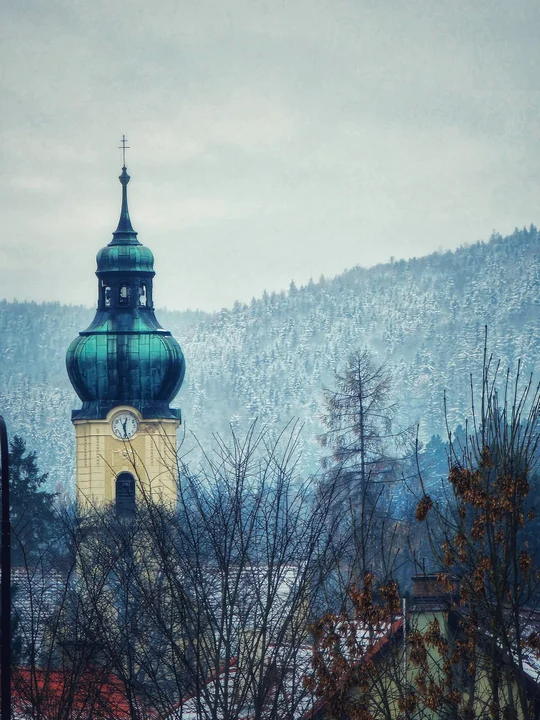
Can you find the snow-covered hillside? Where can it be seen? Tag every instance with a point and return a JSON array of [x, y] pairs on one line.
[[270, 360]]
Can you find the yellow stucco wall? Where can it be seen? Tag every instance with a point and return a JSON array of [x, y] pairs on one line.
[[150, 456]]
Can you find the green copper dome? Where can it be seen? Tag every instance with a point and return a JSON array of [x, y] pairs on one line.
[[125, 357], [125, 258]]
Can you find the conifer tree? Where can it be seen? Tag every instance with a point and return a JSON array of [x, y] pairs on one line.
[[365, 460], [32, 507]]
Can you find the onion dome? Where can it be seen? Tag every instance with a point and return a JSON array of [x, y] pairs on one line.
[[125, 357]]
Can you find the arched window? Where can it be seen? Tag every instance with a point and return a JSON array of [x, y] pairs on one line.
[[105, 296], [143, 297], [125, 495], [124, 294]]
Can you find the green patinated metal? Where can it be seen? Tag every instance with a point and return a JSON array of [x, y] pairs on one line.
[[125, 357], [125, 258]]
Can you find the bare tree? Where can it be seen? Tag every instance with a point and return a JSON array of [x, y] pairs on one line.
[[58, 673], [204, 610], [487, 537], [365, 465], [476, 651]]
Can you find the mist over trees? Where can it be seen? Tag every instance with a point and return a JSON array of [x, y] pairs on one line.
[[270, 360]]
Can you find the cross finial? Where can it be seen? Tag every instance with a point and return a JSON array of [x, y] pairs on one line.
[[123, 147]]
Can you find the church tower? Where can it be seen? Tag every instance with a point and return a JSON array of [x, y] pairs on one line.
[[126, 370]]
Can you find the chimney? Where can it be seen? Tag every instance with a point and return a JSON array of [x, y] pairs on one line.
[[434, 591]]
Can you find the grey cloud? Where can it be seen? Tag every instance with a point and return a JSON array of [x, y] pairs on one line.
[[268, 140]]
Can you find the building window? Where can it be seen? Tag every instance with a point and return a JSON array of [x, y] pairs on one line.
[[107, 296], [143, 297], [124, 294], [125, 495]]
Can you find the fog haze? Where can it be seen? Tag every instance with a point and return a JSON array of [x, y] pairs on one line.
[[268, 141]]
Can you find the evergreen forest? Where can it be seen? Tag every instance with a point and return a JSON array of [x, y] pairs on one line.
[[424, 318]]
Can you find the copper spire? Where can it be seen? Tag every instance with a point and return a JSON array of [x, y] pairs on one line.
[[124, 231]]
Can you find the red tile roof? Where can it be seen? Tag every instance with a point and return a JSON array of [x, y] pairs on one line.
[[53, 694]]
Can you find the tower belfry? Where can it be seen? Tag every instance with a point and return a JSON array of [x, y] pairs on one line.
[[126, 369]]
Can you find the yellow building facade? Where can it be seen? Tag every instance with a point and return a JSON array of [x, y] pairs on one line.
[[102, 456]]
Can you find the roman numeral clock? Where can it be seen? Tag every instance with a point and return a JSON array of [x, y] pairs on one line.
[[126, 369]]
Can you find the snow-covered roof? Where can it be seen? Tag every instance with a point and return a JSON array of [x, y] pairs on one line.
[[216, 698]]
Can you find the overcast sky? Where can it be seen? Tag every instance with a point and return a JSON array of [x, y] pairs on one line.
[[269, 140]]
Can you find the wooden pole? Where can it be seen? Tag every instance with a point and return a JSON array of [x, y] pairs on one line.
[[5, 599]]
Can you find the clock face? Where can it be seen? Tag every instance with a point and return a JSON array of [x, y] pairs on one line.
[[124, 426]]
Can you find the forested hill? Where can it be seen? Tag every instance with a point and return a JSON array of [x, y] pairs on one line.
[[271, 359]]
